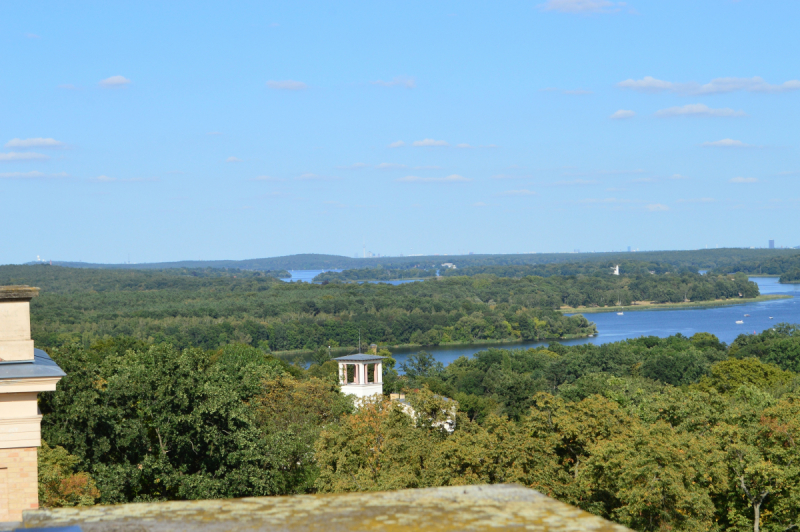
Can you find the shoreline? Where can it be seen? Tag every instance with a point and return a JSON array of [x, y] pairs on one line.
[[673, 306]]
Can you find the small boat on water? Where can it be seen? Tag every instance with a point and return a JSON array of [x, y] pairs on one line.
[[739, 322], [619, 313], [770, 317], [747, 315]]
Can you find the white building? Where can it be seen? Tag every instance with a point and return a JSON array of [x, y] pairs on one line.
[[361, 375]]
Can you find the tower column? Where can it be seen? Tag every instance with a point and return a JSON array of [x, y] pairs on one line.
[[24, 371]]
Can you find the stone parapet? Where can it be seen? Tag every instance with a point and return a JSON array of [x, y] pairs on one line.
[[18, 293], [462, 508]]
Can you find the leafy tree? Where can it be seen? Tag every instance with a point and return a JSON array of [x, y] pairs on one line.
[[763, 458], [729, 375], [655, 478], [376, 448], [422, 364], [59, 484], [159, 423]]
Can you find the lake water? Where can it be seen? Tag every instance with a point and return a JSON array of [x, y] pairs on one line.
[[720, 321], [307, 276]]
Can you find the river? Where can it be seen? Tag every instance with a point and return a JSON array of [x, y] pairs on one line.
[[720, 321]]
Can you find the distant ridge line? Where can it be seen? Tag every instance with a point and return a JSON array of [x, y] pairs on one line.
[[703, 258]]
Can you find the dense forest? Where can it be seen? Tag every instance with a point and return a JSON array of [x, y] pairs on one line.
[[187, 310], [787, 267], [376, 274], [601, 269], [82, 305], [657, 434]]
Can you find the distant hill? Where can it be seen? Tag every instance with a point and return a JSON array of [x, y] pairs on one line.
[[697, 259]]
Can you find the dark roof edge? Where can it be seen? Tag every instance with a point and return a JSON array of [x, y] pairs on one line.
[[359, 357]]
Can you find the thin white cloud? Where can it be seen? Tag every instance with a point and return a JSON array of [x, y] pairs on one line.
[[266, 178], [582, 7], [744, 180], [698, 109], [34, 143], [428, 167], [464, 145], [454, 178], [479, 204], [390, 166], [355, 166], [287, 85], [623, 114], [104, 179], [715, 86], [22, 156], [678, 176], [644, 180], [726, 143], [523, 192], [31, 175], [397, 144], [397, 81], [430, 143], [232, 159], [657, 207], [115, 82]]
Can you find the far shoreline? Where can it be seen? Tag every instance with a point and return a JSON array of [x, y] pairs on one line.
[[673, 306]]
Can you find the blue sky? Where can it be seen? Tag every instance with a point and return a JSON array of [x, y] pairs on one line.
[[156, 131]]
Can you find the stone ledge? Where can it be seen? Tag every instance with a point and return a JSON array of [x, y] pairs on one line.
[[18, 293], [462, 508]]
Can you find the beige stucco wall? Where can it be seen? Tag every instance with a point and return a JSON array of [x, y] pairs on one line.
[[19, 488], [15, 331], [15, 321]]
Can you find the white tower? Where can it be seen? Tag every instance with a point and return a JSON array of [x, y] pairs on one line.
[[367, 378]]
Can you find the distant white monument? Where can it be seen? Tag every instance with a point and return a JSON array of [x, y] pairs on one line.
[[361, 375], [616, 270]]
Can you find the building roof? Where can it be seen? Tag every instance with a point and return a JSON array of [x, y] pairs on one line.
[[41, 366], [360, 357]]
